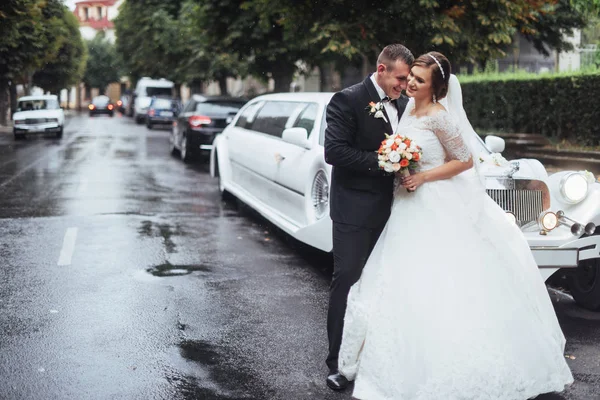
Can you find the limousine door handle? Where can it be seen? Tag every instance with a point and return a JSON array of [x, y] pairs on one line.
[[279, 158]]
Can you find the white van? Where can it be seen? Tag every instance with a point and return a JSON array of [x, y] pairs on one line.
[[145, 89]]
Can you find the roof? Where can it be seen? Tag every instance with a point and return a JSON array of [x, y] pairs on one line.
[[321, 97], [39, 97], [96, 2], [201, 98]]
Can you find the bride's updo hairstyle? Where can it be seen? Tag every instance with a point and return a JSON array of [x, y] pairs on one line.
[[440, 71]]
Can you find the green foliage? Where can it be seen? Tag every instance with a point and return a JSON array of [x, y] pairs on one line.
[[64, 68], [102, 65], [558, 106], [149, 40]]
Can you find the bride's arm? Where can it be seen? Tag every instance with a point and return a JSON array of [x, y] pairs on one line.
[[460, 157]]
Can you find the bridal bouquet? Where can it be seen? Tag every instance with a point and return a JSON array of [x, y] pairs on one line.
[[399, 153]]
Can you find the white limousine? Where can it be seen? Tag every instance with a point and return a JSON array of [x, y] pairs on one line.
[[271, 157]]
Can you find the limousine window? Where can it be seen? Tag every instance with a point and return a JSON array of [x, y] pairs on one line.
[[273, 117], [307, 118], [247, 117]]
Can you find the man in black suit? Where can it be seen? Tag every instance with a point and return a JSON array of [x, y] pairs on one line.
[[361, 192]]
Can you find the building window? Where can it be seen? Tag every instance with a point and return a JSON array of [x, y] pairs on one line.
[[99, 10], [86, 13]]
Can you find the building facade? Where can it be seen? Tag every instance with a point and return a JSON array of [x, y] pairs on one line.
[[95, 16]]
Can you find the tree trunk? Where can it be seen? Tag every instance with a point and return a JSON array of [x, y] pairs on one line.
[[223, 86], [283, 75], [13, 98], [3, 101]]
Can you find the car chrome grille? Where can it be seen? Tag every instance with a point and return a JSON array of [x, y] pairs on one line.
[[32, 121], [525, 198], [320, 194]]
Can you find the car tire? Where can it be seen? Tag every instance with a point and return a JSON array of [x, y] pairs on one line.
[[111, 114], [584, 284], [18, 136], [138, 119], [59, 134], [185, 152], [149, 125]]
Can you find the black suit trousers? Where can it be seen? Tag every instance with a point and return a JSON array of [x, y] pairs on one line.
[[352, 246]]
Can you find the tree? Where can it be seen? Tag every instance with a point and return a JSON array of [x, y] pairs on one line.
[[206, 57], [66, 67], [22, 44], [102, 64], [148, 39]]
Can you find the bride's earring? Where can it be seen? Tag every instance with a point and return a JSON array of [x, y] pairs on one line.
[[434, 99]]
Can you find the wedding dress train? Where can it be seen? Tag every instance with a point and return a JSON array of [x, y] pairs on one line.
[[450, 304]]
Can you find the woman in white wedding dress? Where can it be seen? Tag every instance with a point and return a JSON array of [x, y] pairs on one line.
[[450, 304]]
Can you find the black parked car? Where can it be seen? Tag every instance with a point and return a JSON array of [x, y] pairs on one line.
[[161, 111], [101, 105], [201, 119]]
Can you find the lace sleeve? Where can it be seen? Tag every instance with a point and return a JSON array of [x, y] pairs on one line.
[[449, 135]]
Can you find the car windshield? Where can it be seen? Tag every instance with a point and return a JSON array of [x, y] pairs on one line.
[[158, 91], [37, 104], [218, 108], [100, 101], [162, 104]]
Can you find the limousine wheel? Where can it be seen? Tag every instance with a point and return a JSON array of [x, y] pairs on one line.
[[584, 284]]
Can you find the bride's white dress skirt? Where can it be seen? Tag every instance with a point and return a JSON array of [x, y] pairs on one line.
[[451, 305]]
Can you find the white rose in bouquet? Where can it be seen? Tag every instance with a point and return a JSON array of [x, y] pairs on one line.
[[402, 146], [396, 167], [394, 156]]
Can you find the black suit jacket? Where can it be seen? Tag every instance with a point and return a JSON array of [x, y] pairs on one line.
[[361, 193]]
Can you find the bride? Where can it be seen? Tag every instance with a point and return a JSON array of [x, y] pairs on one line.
[[450, 304]]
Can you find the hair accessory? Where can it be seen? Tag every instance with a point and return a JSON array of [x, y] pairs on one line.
[[439, 65]]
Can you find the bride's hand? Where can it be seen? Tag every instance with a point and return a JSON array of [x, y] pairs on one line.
[[413, 181]]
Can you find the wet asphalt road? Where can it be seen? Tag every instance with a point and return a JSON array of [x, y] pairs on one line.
[[124, 276]]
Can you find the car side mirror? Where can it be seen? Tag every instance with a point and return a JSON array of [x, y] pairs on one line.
[[297, 136], [495, 144]]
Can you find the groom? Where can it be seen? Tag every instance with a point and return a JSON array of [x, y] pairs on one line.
[[361, 193]]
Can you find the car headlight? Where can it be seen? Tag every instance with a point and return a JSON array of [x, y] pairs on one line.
[[320, 194], [548, 220], [19, 121], [511, 217], [573, 187]]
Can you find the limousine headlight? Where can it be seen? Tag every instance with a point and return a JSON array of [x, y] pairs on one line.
[[574, 187], [320, 194]]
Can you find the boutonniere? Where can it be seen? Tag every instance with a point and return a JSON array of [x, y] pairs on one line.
[[376, 110]]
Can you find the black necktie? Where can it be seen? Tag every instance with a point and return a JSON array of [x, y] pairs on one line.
[[386, 98]]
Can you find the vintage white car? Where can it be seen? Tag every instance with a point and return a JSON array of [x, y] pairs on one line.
[[271, 157], [38, 114]]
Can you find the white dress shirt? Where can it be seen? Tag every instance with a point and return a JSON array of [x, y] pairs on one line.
[[390, 108]]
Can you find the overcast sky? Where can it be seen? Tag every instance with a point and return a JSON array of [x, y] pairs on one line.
[[70, 3]]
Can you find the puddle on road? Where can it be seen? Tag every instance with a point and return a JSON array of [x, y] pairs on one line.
[[210, 372], [151, 229], [168, 269]]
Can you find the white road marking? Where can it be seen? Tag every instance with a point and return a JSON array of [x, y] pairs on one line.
[[66, 253]]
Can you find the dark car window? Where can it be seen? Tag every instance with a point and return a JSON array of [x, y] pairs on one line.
[[247, 117], [163, 104], [273, 116], [29, 105], [218, 108], [100, 101], [189, 106], [158, 91], [307, 118]]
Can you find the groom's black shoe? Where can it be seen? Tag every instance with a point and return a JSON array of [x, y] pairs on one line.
[[337, 381]]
